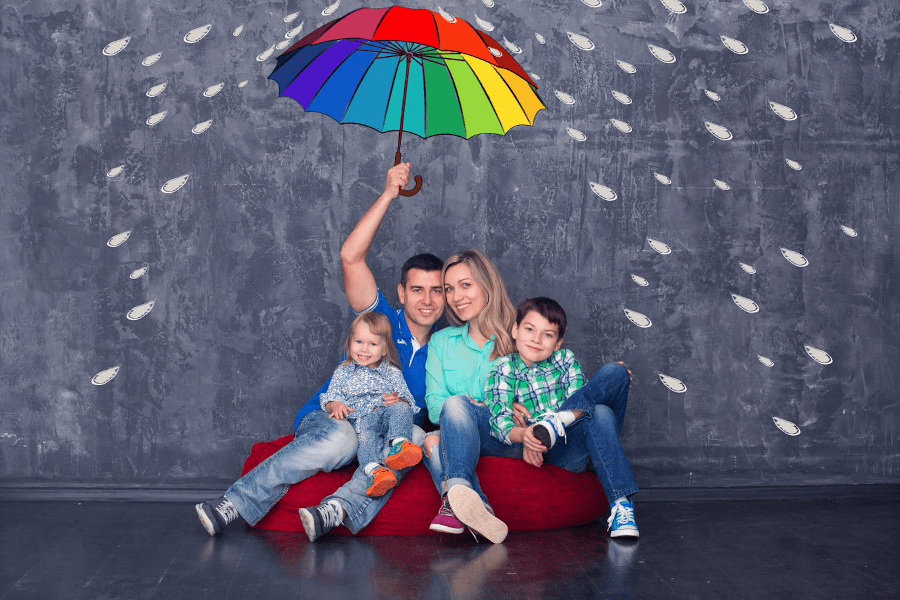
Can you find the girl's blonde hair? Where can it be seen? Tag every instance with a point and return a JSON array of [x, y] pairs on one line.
[[379, 325], [499, 314]]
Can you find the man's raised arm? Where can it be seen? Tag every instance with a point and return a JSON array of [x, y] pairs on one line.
[[359, 283]]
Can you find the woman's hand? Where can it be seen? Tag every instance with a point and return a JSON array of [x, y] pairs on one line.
[[520, 415], [338, 410]]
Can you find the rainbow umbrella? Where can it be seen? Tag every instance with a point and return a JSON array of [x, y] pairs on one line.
[[402, 69]]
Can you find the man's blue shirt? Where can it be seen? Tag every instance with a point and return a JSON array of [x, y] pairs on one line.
[[411, 361]]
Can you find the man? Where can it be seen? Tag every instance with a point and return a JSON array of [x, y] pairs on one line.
[[324, 444]]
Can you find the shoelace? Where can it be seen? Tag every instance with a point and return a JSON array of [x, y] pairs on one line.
[[557, 426], [445, 510], [332, 516], [227, 511], [621, 514]]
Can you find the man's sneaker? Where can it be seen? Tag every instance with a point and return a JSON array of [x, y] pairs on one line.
[[319, 520], [215, 515], [445, 520], [468, 508], [402, 455], [621, 521], [549, 430], [380, 482]]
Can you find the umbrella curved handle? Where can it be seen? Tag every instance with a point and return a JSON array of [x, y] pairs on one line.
[[418, 180]]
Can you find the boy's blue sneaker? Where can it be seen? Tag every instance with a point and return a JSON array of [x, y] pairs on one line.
[[621, 521], [549, 430]]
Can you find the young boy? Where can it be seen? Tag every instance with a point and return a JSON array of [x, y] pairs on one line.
[[550, 390]]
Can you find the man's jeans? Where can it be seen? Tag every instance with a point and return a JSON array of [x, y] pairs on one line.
[[591, 441], [320, 444]]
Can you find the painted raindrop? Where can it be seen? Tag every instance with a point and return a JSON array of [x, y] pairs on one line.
[[745, 304], [242, 84], [488, 3], [675, 6], [603, 191], [766, 361], [118, 239], [331, 8], [661, 54], [156, 90], [849, 231], [757, 6], [540, 38], [718, 131], [104, 377], [139, 312], [580, 41], [496, 52], [593, 3], [237, 30], [786, 426], [534, 77], [676, 385], [747, 268], [447, 16], [564, 97], [795, 258], [175, 184], [783, 111], [793, 164], [513, 49], [712, 95], [622, 98], [627, 67], [213, 90], [151, 60], [639, 280], [621, 125], [201, 127], [575, 134], [662, 179], [294, 32], [659, 246], [138, 273], [115, 171], [842, 33], [486, 25], [820, 356], [195, 35], [637, 318], [736, 46], [721, 185], [265, 54], [154, 119], [115, 47], [282, 44], [291, 17]]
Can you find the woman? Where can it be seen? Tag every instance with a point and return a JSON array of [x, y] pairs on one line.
[[459, 361]]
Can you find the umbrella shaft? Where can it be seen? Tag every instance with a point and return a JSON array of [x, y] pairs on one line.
[[402, 110]]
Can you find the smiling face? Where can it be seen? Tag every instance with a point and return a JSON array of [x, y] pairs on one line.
[[366, 348], [422, 297], [536, 338], [463, 294]]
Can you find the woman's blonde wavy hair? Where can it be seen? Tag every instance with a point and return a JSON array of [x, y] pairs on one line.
[[499, 314], [379, 325]]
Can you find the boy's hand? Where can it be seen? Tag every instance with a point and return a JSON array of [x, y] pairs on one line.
[[531, 443], [520, 414], [397, 178], [338, 410], [630, 373], [532, 457], [391, 398]]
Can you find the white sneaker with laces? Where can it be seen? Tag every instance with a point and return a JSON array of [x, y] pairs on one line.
[[549, 430]]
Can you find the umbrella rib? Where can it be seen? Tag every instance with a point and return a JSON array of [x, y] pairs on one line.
[[513, 94], [462, 114]]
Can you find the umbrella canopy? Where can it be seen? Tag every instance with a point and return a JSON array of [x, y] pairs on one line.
[[401, 69]]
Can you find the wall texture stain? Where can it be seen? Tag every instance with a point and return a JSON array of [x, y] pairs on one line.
[[243, 267]]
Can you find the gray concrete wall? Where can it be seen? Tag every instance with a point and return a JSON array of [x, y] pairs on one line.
[[243, 260]]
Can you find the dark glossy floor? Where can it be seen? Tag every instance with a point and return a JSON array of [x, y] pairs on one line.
[[720, 549]]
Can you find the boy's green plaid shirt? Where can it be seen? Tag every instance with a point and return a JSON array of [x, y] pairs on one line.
[[541, 388]]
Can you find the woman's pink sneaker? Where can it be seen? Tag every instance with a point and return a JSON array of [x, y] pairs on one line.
[[446, 521]]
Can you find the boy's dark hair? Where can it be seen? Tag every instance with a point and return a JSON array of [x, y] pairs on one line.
[[423, 262], [547, 308]]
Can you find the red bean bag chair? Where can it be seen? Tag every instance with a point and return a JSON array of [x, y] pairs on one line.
[[523, 496]]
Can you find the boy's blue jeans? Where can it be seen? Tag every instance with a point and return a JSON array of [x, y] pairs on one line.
[[591, 442], [319, 444]]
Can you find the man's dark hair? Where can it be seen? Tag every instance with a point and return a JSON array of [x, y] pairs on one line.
[[547, 308], [423, 262]]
